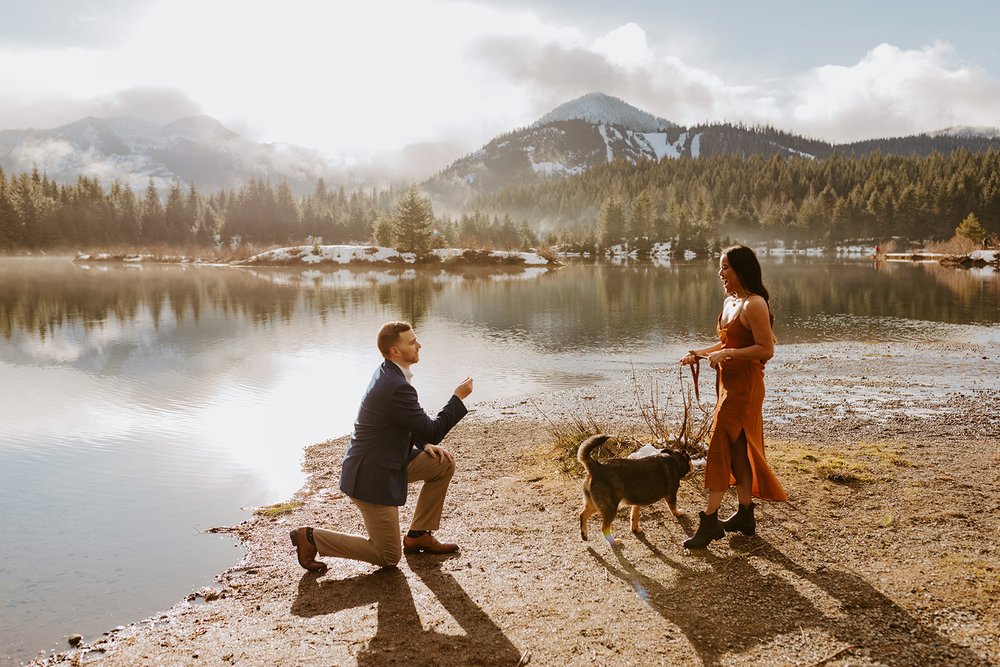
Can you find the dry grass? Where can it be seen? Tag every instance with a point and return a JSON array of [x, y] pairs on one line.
[[861, 463], [278, 509], [979, 575]]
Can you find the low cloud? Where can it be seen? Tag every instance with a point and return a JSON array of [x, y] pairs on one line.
[[892, 92], [156, 105], [42, 154], [411, 164]]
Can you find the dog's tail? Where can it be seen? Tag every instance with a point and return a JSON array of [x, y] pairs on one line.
[[591, 443]]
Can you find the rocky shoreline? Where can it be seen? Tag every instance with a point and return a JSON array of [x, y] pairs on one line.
[[885, 554]]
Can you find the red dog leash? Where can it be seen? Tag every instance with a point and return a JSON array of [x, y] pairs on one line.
[[695, 372]]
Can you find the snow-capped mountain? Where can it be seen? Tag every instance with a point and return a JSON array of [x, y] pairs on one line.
[[968, 132], [588, 131], [197, 150], [601, 109]]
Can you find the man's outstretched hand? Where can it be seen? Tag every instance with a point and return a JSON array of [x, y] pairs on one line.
[[463, 390]]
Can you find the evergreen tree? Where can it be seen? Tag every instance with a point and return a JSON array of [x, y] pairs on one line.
[[10, 231], [970, 228], [154, 227], [383, 231], [177, 219], [641, 224], [412, 223], [611, 222]]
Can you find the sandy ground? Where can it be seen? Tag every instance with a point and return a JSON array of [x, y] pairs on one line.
[[887, 552]]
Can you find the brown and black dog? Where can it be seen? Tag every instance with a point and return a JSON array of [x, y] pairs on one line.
[[634, 482]]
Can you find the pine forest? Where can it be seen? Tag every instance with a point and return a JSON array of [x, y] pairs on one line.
[[692, 203]]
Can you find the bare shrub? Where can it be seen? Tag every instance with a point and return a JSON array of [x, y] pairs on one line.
[[688, 433], [956, 245]]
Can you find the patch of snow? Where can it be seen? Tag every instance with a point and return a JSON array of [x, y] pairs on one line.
[[530, 258], [550, 168], [794, 152], [607, 142], [658, 144], [988, 256], [643, 452], [696, 145]]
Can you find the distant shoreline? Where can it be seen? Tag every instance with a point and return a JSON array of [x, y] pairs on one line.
[[378, 256], [315, 256]]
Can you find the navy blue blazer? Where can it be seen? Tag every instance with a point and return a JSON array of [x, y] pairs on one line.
[[390, 431]]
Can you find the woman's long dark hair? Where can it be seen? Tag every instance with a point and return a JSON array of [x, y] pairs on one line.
[[744, 262]]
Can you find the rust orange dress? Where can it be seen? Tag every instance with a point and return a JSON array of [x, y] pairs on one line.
[[740, 389]]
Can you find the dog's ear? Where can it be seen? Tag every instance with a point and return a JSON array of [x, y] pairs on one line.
[[680, 456]]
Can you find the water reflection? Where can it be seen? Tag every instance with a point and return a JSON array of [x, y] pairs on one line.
[[140, 404]]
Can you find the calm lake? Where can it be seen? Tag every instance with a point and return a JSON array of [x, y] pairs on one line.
[[141, 405]]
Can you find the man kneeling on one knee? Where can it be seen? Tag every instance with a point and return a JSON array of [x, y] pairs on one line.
[[394, 443]]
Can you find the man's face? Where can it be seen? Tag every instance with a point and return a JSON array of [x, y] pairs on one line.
[[407, 348]]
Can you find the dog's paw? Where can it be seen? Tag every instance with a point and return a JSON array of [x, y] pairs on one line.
[[679, 513], [638, 531]]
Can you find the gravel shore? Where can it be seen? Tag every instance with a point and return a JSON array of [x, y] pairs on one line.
[[886, 553]]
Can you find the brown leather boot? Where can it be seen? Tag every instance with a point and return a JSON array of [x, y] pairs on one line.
[[427, 544], [709, 528], [305, 548]]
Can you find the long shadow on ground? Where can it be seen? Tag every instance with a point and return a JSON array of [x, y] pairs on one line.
[[734, 608], [400, 637]]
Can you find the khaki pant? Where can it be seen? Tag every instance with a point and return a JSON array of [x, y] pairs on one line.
[[382, 547]]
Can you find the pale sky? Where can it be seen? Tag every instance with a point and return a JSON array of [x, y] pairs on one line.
[[425, 81]]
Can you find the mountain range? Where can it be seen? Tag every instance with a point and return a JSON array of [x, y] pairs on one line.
[[196, 149], [573, 137]]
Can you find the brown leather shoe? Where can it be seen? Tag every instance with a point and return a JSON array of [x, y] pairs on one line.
[[305, 549], [427, 544]]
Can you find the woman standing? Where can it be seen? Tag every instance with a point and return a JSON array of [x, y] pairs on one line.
[[736, 449]]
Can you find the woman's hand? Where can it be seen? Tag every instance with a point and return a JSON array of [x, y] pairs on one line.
[[689, 359], [719, 356]]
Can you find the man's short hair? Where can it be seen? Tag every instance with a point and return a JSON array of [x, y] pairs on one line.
[[388, 335]]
